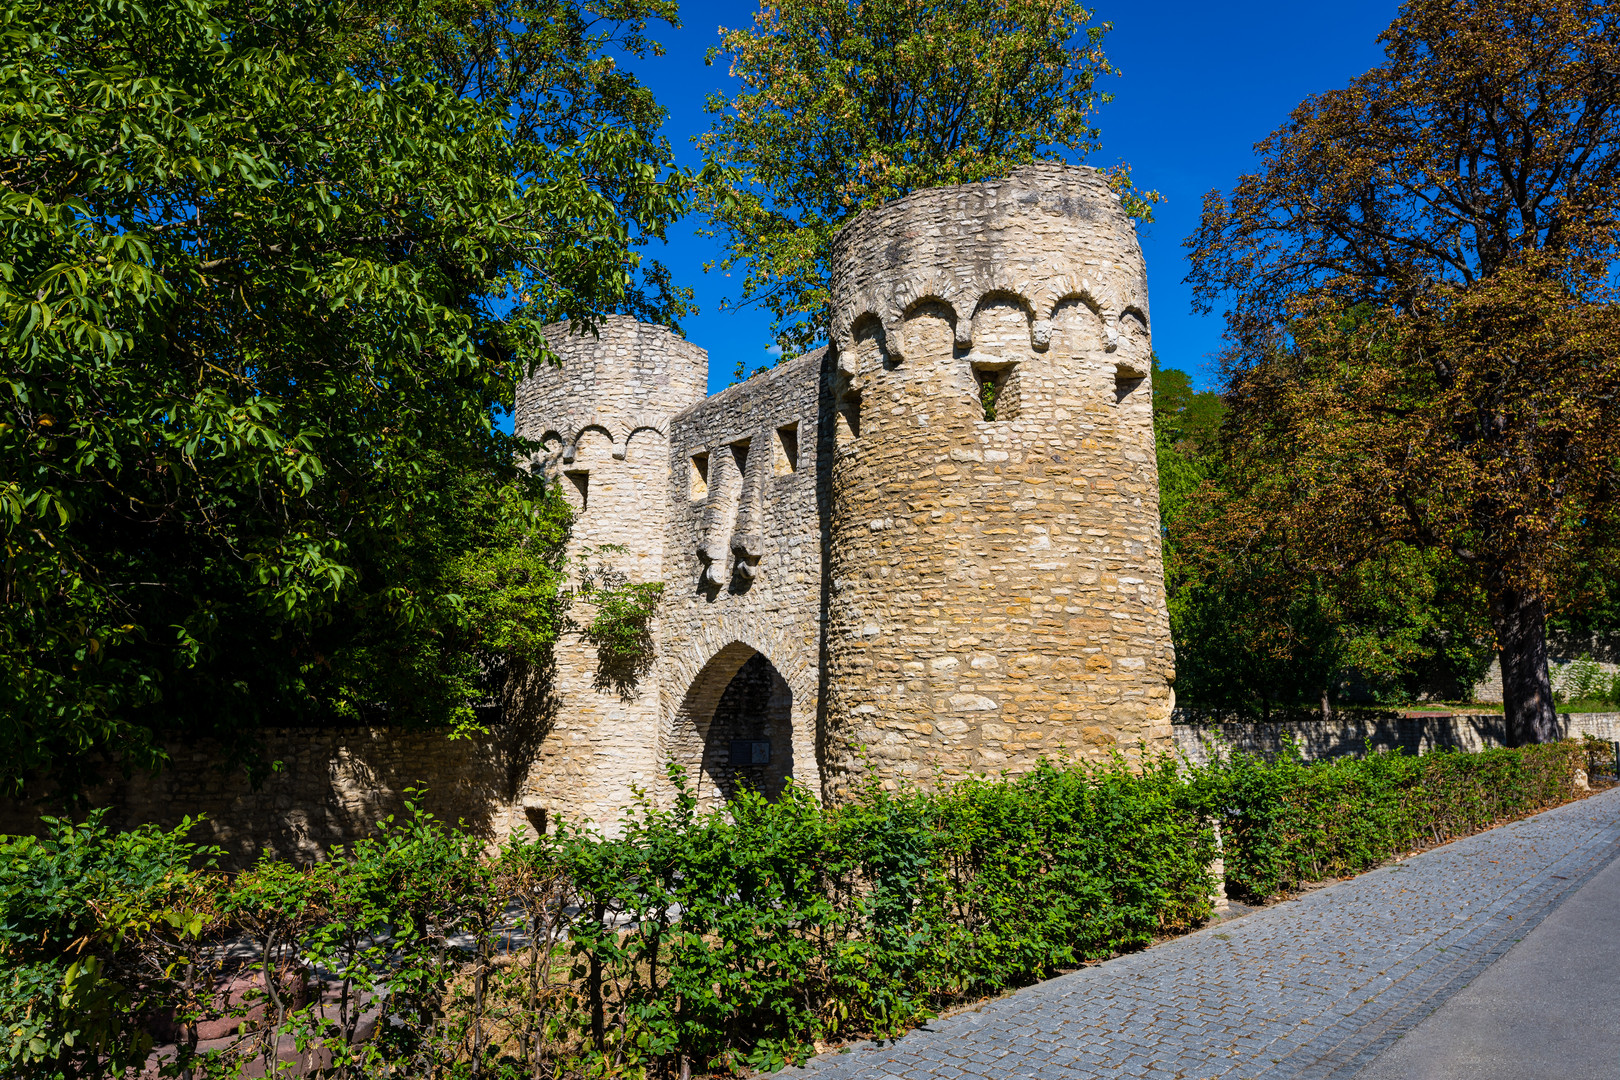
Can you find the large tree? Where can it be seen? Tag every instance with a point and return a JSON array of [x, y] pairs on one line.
[[847, 104], [1422, 339], [268, 270], [1258, 631]]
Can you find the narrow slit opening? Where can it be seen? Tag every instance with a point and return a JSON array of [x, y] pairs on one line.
[[698, 485], [992, 387], [787, 450], [580, 479], [849, 418]]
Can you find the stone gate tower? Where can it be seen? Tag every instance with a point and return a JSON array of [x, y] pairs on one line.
[[996, 589], [930, 549]]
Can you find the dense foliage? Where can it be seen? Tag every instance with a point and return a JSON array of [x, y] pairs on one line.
[[1257, 633], [268, 269], [847, 105], [717, 940], [691, 941], [1424, 345], [1186, 424]]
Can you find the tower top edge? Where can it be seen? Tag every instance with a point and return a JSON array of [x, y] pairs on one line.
[[563, 336], [1048, 175], [1042, 234]]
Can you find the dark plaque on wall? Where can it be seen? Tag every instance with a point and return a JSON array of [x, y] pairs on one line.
[[750, 751]]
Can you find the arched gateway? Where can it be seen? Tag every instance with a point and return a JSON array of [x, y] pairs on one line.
[[733, 728]]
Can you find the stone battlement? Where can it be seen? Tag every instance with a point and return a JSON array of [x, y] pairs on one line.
[[1045, 235]]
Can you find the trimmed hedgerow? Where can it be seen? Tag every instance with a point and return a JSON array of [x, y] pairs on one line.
[[688, 941], [1286, 822], [798, 922]]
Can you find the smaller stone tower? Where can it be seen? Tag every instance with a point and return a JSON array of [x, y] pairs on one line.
[[603, 418], [995, 586]]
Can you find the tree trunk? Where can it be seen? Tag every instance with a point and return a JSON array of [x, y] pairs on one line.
[[1527, 698]]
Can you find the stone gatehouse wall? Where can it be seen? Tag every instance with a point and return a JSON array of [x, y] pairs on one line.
[[744, 570], [930, 591], [603, 419]]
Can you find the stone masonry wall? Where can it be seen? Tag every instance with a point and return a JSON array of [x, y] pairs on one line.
[[996, 591], [1563, 651], [743, 566], [332, 787], [1355, 734]]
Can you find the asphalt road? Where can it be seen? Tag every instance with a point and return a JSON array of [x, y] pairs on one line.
[[1549, 1009]]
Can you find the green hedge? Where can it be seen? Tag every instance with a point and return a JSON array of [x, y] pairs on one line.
[[688, 941], [1287, 822]]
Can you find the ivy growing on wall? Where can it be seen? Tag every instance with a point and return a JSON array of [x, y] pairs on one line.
[[621, 621]]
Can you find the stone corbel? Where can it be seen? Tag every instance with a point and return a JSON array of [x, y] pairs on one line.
[[1040, 334], [964, 332], [747, 547], [713, 559], [849, 362]]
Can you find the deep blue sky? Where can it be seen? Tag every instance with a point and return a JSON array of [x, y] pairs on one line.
[[1201, 84]]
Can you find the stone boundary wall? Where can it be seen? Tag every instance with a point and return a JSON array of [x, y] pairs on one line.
[[1323, 739], [1563, 650], [336, 784], [332, 787], [1559, 664]]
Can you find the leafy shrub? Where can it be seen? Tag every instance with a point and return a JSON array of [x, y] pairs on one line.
[[1602, 757], [702, 941], [95, 927], [1287, 822], [799, 922], [1583, 680]]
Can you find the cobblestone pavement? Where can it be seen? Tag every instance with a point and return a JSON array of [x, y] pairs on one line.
[[1312, 988]]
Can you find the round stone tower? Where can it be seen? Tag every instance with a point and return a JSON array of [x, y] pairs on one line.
[[995, 591]]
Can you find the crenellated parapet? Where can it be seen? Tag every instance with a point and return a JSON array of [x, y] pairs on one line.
[[1042, 236], [623, 381]]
